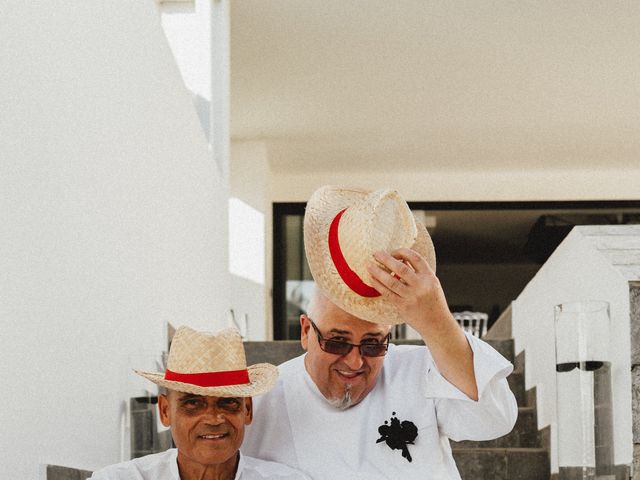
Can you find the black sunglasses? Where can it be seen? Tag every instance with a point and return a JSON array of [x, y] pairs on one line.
[[589, 366], [337, 347]]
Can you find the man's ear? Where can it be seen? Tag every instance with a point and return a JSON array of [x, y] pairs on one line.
[[165, 411], [305, 325], [248, 405]]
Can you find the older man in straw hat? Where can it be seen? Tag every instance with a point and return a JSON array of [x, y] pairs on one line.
[[354, 406], [207, 405]]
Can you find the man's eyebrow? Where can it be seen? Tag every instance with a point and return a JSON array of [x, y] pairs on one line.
[[187, 396], [347, 332], [374, 334]]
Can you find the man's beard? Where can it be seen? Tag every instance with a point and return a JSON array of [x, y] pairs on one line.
[[343, 402]]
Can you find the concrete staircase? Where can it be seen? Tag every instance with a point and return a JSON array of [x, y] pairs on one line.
[[521, 455]]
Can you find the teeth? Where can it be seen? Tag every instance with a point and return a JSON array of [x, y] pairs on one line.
[[348, 374], [213, 436]]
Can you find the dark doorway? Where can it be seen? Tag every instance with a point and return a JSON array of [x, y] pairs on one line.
[[486, 251]]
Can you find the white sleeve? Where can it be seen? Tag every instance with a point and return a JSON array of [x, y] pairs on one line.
[[100, 475], [460, 417]]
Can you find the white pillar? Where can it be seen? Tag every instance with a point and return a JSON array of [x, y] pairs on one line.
[[220, 89], [213, 16]]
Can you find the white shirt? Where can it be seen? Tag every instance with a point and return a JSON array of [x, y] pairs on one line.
[[295, 425], [164, 466]]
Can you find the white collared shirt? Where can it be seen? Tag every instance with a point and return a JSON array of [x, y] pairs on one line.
[[164, 466], [295, 425]]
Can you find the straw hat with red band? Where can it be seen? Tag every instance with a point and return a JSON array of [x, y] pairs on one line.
[[212, 365], [343, 227]]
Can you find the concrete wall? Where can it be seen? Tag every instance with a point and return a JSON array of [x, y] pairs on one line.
[[576, 271], [113, 222]]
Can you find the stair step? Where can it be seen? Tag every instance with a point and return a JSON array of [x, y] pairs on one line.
[[505, 347], [524, 434], [274, 352], [58, 472], [502, 463], [516, 383]]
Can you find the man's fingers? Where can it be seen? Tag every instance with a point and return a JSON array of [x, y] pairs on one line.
[[398, 267], [389, 282], [413, 258], [381, 288]]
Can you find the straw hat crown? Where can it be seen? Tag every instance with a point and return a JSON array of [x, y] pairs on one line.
[[343, 227], [379, 221], [197, 352], [212, 364]]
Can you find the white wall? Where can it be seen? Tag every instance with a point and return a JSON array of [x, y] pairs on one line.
[[249, 185], [188, 32], [113, 222], [188, 36], [575, 271]]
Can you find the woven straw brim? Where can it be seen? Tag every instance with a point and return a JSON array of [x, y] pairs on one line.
[[322, 207], [262, 378]]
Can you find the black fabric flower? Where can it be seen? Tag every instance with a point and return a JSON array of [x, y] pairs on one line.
[[398, 435]]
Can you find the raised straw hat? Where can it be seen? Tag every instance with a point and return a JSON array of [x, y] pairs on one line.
[[212, 365], [343, 227]]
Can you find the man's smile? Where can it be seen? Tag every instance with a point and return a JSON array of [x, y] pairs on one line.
[[213, 436], [349, 374]]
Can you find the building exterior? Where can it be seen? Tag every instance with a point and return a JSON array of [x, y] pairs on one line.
[[591, 264], [140, 148]]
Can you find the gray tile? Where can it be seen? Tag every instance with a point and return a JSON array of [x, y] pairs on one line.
[[275, 352], [474, 464], [525, 434], [516, 383], [528, 464], [57, 472], [577, 473]]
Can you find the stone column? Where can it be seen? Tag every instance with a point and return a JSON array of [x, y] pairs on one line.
[[634, 311]]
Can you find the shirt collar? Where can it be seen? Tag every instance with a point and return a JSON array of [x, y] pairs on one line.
[[175, 472], [241, 464]]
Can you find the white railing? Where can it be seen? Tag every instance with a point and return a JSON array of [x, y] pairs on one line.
[[473, 322]]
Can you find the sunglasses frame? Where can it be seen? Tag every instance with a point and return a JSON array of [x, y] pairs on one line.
[[323, 344]]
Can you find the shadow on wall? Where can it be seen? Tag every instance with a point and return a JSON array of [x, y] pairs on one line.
[[202, 109]]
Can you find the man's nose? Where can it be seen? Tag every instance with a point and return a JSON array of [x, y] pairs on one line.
[[216, 414], [353, 359]]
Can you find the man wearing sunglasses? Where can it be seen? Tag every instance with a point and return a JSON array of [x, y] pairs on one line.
[[354, 406]]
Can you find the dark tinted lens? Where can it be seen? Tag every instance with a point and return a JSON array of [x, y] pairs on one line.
[[591, 365], [566, 367], [336, 347], [373, 349]]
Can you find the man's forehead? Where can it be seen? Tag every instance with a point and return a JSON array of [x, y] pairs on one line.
[[327, 314], [186, 395], [350, 325], [375, 331]]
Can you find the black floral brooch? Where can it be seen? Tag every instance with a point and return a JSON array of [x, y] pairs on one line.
[[398, 435]]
